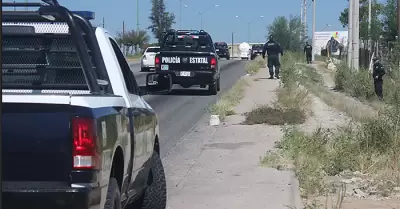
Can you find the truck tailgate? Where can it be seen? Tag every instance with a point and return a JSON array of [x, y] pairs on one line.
[[37, 141], [187, 61]]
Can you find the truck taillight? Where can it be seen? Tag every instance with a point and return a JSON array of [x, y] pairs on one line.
[[84, 148], [213, 62], [157, 62]]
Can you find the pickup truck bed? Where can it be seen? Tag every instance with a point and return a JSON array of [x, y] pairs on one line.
[[76, 132]]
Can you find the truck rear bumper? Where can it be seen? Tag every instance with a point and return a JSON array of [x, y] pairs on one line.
[[221, 54], [45, 195], [195, 78]]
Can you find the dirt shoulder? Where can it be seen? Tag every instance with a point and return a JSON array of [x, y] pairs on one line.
[[219, 166]]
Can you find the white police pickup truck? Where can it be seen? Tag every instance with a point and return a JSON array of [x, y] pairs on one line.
[[76, 132]]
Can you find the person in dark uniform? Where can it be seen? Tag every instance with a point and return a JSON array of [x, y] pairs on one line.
[[377, 73], [273, 50], [308, 51]]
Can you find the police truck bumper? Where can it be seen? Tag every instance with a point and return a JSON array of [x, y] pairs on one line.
[[203, 77], [47, 195]]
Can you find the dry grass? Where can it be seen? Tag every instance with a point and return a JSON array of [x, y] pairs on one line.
[[228, 101], [371, 146], [255, 65], [313, 81], [292, 102]]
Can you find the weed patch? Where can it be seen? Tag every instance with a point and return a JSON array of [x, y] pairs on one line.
[[255, 65], [228, 101], [292, 103], [274, 116]]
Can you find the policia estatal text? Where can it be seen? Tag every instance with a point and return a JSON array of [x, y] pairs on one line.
[[308, 51], [273, 50]]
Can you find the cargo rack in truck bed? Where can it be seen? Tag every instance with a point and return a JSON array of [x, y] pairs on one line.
[[51, 60]]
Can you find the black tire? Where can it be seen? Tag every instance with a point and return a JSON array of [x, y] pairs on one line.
[[213, 88], [113, 200], [228, 57], [219, 84], [155, 196]]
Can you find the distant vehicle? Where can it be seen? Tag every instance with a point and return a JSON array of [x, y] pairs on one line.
[[244, 50], [256, 50], [147, 60], [189, 57], [86, 138], [222, 50]]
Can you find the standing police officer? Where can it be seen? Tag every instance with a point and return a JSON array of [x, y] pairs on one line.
[[273, 50], [308, 51], [377, 73]]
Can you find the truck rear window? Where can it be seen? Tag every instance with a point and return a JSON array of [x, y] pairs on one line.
[[178, 42], [221, 45], [40, 60], [153, 50], [258, 46]]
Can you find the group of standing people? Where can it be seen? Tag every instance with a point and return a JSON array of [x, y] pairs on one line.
[[273, 49]]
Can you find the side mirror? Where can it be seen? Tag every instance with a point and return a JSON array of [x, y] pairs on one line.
[[156, 83], [229, 47]]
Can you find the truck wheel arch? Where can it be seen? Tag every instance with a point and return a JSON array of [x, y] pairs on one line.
[[117, 168], [157, 145]]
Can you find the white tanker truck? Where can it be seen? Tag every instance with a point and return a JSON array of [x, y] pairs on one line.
[[244, 50]]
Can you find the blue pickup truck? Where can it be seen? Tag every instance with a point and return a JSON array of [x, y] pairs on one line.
[[76, 132]]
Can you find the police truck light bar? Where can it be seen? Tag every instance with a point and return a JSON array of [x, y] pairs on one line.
[[85, 14]]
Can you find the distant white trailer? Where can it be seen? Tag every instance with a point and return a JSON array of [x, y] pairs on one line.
[[244, 50]]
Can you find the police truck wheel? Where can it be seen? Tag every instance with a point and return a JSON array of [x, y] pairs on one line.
[[213, 88], [228, 57], [113, 200], [219, 84], [155, 196]]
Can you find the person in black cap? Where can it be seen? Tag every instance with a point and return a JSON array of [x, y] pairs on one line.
[[273, 50], [377, 73], [308, 51]]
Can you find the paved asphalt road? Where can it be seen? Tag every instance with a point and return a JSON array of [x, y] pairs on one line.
[[181, 110]]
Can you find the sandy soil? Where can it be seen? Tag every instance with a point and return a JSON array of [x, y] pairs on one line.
[[218, 167]]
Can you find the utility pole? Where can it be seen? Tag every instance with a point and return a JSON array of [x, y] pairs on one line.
[[103, 23], [137, 22], [369, 27], [123, 28], [301, 19], [232, 45], [137, 16], [123, 35], [356, 34], [305, 19], [313, 30], [398, 19], [350, 36]]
